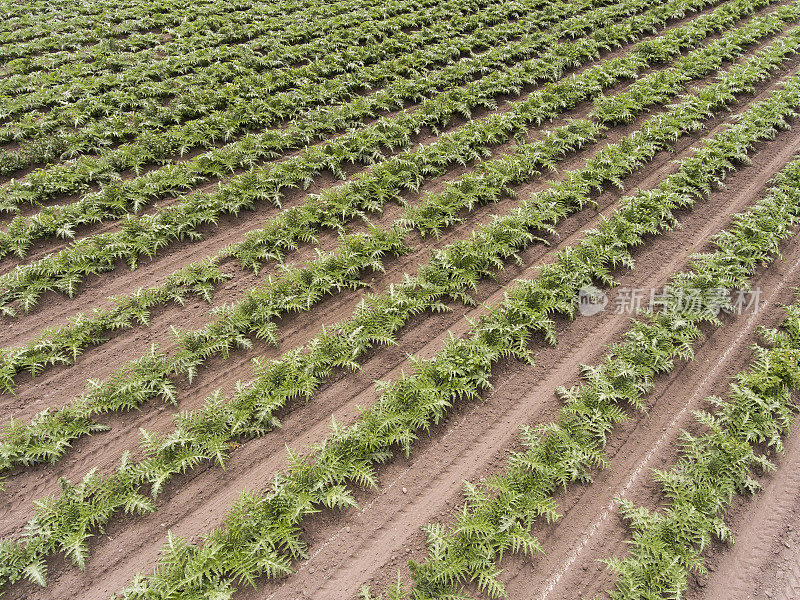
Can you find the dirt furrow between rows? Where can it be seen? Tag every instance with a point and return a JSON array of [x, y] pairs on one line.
[[476, 444], [95, 289], [591, 529], [187, 508]]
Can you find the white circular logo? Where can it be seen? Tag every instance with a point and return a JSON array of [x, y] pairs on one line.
[[591, 300]]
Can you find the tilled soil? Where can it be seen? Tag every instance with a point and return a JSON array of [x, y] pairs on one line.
[[370, 544]]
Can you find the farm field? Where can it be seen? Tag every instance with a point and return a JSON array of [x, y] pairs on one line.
[[424, 299]]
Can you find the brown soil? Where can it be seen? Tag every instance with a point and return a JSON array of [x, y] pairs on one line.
[[369, 545]]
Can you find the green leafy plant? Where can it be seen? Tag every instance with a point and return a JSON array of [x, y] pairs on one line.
[[714, 466], [407, 406]]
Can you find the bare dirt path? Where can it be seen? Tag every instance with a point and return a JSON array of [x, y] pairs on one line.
[[369, 544], [478, 434], [474, 447]]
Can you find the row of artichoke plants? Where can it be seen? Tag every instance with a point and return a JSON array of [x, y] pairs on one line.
[[262, 536]]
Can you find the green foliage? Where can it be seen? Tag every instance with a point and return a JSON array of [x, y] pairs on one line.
[[278, 99], [721, 462], [261, 536], [145, 235], [497, 515], [458, 269]]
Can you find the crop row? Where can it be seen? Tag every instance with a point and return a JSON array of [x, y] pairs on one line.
[[497, 515], [212, 32], [146, 235], [304, 127], [715, 466], [132, 27], [203, 112], [406, 406], [294, 290], [145, 77], [127, 24], [261, 535], [51, 432], [285, 67]]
